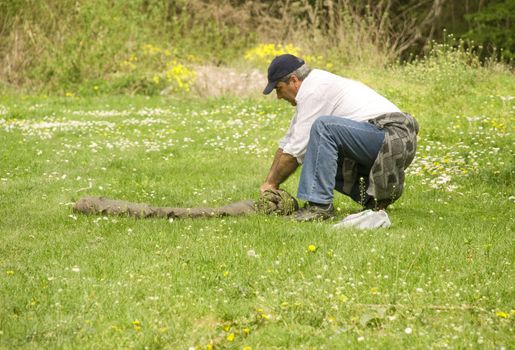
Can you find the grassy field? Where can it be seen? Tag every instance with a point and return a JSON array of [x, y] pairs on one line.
[[440, 277]]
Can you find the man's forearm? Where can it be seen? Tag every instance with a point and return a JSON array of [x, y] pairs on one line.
[[277, 156], [282, 167]]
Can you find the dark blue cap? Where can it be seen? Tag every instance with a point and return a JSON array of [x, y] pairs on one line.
[[280, 67]]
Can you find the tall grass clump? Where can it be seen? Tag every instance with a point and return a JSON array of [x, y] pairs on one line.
[[60, 46], [338, 30], [448, 72]]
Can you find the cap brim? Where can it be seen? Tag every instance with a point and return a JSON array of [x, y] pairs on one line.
[[271, 85]]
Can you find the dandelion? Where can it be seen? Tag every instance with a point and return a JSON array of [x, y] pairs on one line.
[[76, 269], [312, 248], [247, 348], [408, 330], [137, 325], [230, 337], [226, 273], [265, 316], [502, 314], [246, 331], [9, 272], [374, 290]]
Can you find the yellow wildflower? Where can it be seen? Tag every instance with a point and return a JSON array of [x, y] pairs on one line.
[[246, 331], [374, 290], [181, 75], [502, 314], [9, 272], [137, 325], [264, 53], [231, 337], [312, 248], [247, 348]]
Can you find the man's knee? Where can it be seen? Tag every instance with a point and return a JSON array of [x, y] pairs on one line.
[[320, 124]]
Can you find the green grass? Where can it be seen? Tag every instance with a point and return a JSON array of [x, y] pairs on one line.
[[440, 277]]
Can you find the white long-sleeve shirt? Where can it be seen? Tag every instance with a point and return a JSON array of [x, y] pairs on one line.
[[322, 93]]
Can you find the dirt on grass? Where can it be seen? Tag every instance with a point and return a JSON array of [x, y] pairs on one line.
[[213, 81]]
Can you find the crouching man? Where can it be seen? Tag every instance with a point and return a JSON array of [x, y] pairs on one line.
[[347, 137]]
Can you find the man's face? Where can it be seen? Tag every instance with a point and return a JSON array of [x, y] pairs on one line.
[[288, 90]]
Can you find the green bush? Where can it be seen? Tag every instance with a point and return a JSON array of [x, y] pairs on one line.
[[491, 27]]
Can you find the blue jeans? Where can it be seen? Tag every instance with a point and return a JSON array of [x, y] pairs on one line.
[[332, 138]]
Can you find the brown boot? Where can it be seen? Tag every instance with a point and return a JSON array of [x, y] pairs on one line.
[[312, 212]]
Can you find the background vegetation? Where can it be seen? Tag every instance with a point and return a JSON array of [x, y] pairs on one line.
[[114, 46]]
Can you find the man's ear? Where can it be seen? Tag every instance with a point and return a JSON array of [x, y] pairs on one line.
[[296, 82]]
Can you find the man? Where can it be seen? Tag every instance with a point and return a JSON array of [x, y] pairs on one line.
[[346, 136]]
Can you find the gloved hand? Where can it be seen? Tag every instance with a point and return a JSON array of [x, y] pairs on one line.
[[278, 202]]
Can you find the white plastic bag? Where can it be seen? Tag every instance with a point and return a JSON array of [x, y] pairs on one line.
[[367, 219]]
